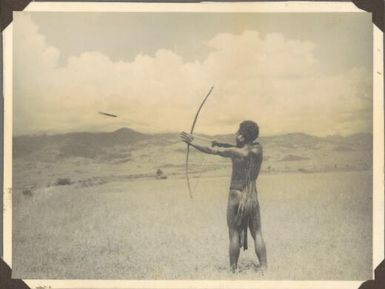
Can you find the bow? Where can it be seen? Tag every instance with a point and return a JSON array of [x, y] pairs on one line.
[[188, 145]]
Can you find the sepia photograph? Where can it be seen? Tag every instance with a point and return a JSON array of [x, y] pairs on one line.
[[201, 145]]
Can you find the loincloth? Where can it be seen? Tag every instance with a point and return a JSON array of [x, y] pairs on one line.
[[246, 212]]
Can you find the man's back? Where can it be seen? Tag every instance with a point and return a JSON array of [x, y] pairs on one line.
[[246, 169]]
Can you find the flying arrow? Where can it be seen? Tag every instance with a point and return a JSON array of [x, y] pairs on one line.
[[107, 114]]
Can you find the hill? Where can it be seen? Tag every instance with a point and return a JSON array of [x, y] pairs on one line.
[[288, 152], [81, 144]]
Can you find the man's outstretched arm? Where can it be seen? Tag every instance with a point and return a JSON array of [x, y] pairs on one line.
[[231, 152]]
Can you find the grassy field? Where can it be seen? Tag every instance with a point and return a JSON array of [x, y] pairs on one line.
[[316, 226]]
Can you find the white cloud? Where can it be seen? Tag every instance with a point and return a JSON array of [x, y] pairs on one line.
[[271, 79]]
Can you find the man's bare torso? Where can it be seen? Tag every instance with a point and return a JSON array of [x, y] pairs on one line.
[[246, 170]]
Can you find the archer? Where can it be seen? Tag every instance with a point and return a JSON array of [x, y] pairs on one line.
[[243, 206]]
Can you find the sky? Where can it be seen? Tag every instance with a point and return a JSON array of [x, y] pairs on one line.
[[289, 72]]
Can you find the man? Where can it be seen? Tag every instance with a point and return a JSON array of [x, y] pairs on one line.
[[243, 207]]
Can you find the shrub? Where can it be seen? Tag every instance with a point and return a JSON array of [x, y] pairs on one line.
[[27, 192], [63, 182]]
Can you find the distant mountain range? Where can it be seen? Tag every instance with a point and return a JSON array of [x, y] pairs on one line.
[[82, 144], [131, 154], [95, 144]]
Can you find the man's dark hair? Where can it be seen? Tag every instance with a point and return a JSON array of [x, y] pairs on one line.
[[249, 129]]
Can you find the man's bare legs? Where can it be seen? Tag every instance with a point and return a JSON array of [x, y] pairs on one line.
[[259, 243], [234, 232], [234, 249], [234, 237]]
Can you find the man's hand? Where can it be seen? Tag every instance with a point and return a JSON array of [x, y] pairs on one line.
[[186, 137]]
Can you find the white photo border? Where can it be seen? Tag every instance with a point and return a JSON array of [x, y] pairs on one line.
[[310, 7]]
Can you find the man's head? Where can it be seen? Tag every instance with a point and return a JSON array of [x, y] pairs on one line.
[[247, 133]]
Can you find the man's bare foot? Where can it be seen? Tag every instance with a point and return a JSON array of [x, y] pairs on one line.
[[263, 268], [234, 268]]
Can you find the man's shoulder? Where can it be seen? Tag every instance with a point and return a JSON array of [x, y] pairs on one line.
[[257, 148]]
